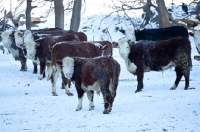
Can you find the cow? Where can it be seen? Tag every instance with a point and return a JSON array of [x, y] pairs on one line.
[[196, 35], [75, 49], [41, 49], [100, 74], [19, 40], [154, 34], [17, 53], [146, 56]]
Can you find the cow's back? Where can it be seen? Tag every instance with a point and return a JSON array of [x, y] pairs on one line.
[[155, 54], [161, 33], [75, 49]]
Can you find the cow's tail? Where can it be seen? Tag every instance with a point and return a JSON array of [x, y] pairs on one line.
[[190, 62]]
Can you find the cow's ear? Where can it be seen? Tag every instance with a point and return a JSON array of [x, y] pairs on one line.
[[131, 43], [11, 36], [20, 35], [122, 31], [59, 62], [37, 44]]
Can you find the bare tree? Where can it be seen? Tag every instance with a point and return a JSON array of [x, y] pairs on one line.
[[28, 14], [59, 13], [76, 15], [163, 15]]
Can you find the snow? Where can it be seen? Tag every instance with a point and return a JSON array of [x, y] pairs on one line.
[[28, 105]]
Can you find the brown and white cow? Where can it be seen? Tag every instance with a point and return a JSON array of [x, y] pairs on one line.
[[75, 49], [8, 41], [100, 74], [41, 49], [157, 56]]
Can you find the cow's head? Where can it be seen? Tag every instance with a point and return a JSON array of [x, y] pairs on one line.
[[197, 40], [28, 36], [19, 38], [68, 67], [124, 48], [7, 38], [129, 34], [30, 49]]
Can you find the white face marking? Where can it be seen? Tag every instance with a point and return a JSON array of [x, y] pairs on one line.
[[31, 49], [197, 39], [6, 40], [68, 67], [130, 34], [18, 38], [28, 36], [124, 48]]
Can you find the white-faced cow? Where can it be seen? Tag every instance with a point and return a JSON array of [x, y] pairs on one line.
[[75, 49], [41, 49], [157, 56], [98, 74], [17, 53], [19, 40], [154, 34]]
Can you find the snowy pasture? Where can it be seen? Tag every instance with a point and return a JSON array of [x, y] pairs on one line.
[[28, 105]]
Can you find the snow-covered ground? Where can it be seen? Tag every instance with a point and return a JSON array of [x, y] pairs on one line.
[[28, 105]]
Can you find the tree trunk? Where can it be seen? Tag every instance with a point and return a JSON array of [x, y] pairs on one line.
[[28, 15], [163, 14], [148, 15], [76, 15], [59, 13]]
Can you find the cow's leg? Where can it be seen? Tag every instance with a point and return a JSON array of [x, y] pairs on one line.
[[23, 64], [80, 93], [107, 102], [140, 76], [54, 78], [66, 83], [49, 70], [186, 74], [90, 95], [42, 69], [34, 67], [179, 75]]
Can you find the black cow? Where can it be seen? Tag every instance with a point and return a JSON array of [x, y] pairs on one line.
[[158, 56], [155, 34]]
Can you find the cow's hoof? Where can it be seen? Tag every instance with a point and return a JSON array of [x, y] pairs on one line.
[[54, 94], [172, 88], [78, 109], [185, 88], [69, 94], [23, 69], [138, 91], [91, 108], [105, 112]]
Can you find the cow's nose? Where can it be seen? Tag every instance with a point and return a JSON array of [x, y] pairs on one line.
[[122, 54], [68, 75]]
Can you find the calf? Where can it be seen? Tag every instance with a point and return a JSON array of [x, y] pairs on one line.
[[75, 49], [157, 56], [99, 74], [17, 53], [155, 34]]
